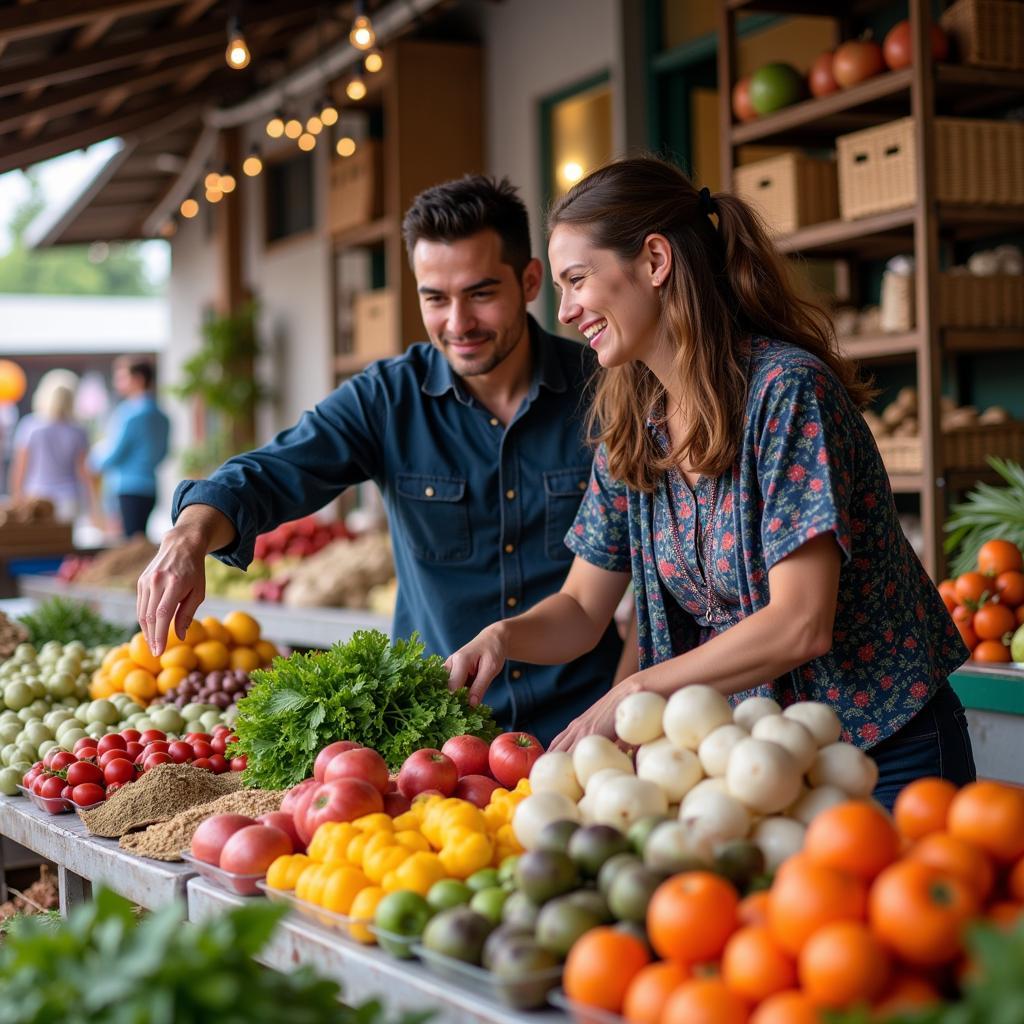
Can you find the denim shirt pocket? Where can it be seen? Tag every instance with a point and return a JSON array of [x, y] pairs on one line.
[[563, 492], [433, 514]]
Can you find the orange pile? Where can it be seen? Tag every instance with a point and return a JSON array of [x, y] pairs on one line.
[[209, 645], [871, 913], [987, 605]]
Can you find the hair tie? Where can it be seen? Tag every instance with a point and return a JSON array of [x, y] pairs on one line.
[[707, 205]]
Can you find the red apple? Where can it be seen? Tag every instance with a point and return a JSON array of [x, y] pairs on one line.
[[213, 832], [361, 763], [477, 789], [396, 804], [512, 757], [341, 800], [286, 823], [820, 79], [323, 759], [469, 754], [427, 769], [291, 798]]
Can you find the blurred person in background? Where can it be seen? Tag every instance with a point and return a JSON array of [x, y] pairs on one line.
[[136, 443], [50, 449]]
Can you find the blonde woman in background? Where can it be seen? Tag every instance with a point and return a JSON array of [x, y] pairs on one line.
[[50, 449]]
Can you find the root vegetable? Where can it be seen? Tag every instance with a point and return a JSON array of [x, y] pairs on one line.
[[814, 801], [638, 717], [539, 810], [623, 800], [553, 773], [715, 748], [714, 817], [593, 753], [692, 713], [762, 775], [788, 733], [819, 719], [647, 749], [674, 770], [845, 766], [778, 838], [598, 779], [752, 709]]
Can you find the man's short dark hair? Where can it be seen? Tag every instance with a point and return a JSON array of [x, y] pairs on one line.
[[458, 209], [142, 370]]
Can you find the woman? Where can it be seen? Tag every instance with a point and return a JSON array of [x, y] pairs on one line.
[[736, 483], [50, 449]]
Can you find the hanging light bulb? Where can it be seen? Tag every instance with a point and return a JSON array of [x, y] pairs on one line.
[[227, 183], [212, 180], [361, 35], [252, 165], [314, 125], [214, 195], [275, 126], [373, 61], [189, 208], [328, 112], [237, 53], [345, 146], [293, 128], [306, 142], [356, 88]]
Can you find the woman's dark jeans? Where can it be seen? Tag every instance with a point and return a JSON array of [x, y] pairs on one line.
[[933, 742]]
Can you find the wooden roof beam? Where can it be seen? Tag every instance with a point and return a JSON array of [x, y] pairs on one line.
[[193, 11], [46, 16], [89, 35]]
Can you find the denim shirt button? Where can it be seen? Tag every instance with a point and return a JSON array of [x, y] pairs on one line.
[[511, 602], [429, 492], [510, 494]]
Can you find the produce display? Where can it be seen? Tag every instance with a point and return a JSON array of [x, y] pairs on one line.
[[57, 620], [117, 567], [12, 633], [222, 689], [987, 603], [210, 646], [988, 513], [383, 695]]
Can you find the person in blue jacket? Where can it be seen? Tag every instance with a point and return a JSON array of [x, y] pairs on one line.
[[476, 440], [136, 443]]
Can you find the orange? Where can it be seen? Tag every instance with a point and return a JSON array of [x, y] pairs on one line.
[[169, 678], [958, 858], [753, 908], [267, 651], [118, 672], [691, 916], [922, 806], [906, 992], [243, 629], [999, 556], [181, 656], [786, 1008], [601, 965], [140, 653], [991, 816], [1015, 880], [806, 896], [114, 654], [212, 655], [755, 966], [140, 684], [705, 1001], [100, 687], [650, 989], [991, 651], [244, 658], [947, 591], [971, 588], [196, 632], [214, 630], [919, 912], [856, 837], [1010, 588], [842, 965], [993, 621]]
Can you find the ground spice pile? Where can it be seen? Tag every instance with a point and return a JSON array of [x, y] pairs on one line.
[[161, 793], [166, 839]]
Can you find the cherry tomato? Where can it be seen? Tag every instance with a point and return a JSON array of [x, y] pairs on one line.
[[201, 748], [239, 764], [133, 749], [87, 754], [85, 741], [130, 735], [112, 755], [191, 737], [111, 742], [217, 764], [83, 772], [150, 735], [202, 762], [152, 760], [157, 747], [119, 770], [181, 752], [88, 794]]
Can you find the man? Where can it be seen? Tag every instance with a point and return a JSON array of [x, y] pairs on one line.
[[476, 441], [135, 445]]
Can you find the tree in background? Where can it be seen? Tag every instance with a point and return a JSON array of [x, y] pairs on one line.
[[99, 269]]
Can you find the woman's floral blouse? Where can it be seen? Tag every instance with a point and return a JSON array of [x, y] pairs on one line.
[[807, 465]]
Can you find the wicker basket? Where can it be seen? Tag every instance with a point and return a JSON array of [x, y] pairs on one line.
[[976, 161], [987, 33], [790, 191], [966, 300], [897, 302], [964, 448], [901, 454]]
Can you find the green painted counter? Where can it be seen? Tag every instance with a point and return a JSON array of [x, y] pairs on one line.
[[991, 688], [994, 699]]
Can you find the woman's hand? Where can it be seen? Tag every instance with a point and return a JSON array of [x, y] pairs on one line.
[[476, 664], [598, 720]]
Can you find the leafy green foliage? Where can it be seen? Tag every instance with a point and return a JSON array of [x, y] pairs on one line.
[[106, 966], [993, 993], [989, 512], [387, 697], [62, 620]]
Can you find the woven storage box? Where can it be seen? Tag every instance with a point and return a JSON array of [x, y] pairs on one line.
[[987, 33], [901, 454], [969, 447], [789, 191], [897, 302], [966, 300], [975, 162]]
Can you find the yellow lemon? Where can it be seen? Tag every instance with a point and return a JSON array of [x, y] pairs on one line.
[[244, 658], [267, 651], [215, 631], [141, 684], [212, 655], [181, 656], [244, 629], [196, 632]]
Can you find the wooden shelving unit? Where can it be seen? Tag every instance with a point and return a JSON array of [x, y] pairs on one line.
[[923, 90]]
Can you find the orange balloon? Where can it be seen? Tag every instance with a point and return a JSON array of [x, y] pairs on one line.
[[12, 381]]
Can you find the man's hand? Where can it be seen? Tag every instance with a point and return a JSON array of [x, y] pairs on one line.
[[476, 664], [172, 587]]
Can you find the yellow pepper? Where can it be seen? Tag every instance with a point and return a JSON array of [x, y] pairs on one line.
[[309, 886], [378, 841], [356, 847], [523, 789], [285, 871], [378, 863], [374, 823], [448, 815], [341, 887], [465, 851], [411, 840], [408, 821], [418, 872], [330, 842], [364, 906]]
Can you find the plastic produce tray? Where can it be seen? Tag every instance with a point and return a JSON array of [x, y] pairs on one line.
[[342, 924], [244, 885]]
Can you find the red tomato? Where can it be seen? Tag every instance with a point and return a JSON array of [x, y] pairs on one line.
[[156, 747], [48, 786], [240, 763], [251, 850], [1010, 588], [112, 755], [191, 737], [290, 802], [88, 794], [362, 763], [742, 108], [83, 772], [119, 770], [130, 735], [217, 764], [341, 800], [211, 835], [152, 760], [512, 756], [286, 823], [113, 787], [150, 735], [181, 752], [323, 759], [85, 741], [897, 47], [469, 754], [427, 769], [222, 728], [204, 763], [200, 748], [820, 79], [30, 776], [65, 793], [855, 60], [111, 742], [133, 749], [59, 760], [86, 753]]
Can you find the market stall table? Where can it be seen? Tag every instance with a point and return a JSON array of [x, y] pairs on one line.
[[301, 627], [993, 696], [365, 972], [81, 857]]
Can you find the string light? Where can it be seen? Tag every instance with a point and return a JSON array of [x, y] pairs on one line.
[[275, 126], [328, 112], [227, 183], [237, 53], [356, 88], [211, 181], [374, 61], [361, 35], [214, 195], [307, 142], [314, 125], [189, 208], [252, 165], [345, 146], [293, 128]]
